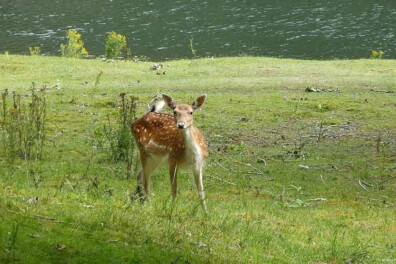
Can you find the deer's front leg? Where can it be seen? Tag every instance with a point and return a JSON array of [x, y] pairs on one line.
[[199, 183], [173, 179]]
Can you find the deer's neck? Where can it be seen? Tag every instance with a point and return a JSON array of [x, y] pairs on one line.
[[194, 152]]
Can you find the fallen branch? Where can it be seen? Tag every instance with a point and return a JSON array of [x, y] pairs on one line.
[[222, 180], [259, 172], [381, 91], [71, 186], [46, 218], [253, 173], [221, 165], [321, 177], [39, 217], [318, 199], [364, 185]]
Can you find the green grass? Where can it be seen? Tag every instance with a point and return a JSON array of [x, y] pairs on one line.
[[284, 179]]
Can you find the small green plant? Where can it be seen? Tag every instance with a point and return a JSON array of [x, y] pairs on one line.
[[74, 48], [97, 79], [237, 147], [193, 51], [34, 51], [115, 45], [377, 54]]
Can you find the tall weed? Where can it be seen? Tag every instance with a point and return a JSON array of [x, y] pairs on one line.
[[34, 51], [23, 125], [118, 142]]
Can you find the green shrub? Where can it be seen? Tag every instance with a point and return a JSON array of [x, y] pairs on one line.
[[377, 54], [34, 51], [74, 48], [115, 45]]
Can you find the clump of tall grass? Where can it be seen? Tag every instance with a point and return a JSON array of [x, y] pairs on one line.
[[34, 51], [377, 54], [22, 124], [117, 141]]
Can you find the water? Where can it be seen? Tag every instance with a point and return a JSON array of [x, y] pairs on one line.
[[309, 29]]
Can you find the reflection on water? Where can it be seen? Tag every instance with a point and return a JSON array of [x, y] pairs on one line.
[[160, 30]]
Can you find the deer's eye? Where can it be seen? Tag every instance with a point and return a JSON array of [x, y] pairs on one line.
[[174, 113], [190, 113]]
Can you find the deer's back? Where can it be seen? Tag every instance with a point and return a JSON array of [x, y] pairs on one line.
[[157, 134]]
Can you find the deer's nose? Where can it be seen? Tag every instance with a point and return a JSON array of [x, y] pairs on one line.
[[181, 125]]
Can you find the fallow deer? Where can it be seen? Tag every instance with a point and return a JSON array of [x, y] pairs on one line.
[[163, 138]]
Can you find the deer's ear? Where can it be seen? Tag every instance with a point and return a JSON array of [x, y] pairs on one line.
[[169, 101], [199, 101]]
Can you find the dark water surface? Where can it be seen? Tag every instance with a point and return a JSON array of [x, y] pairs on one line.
[[321, 29]]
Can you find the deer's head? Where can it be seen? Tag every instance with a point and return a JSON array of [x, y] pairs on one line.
[[183, 113]]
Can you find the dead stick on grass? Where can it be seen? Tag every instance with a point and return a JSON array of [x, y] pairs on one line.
[[317, 199], [46, 218], [321, 177], [222, 180], [221, 165], [364, 185], [259, 172], [39, 217], [71, 186]]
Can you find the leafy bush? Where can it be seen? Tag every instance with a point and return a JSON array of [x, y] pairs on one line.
[[34, 51], [115, 45], [377, 54], [74, 48]]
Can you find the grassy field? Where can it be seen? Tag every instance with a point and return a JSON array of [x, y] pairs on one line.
[[302, 165]]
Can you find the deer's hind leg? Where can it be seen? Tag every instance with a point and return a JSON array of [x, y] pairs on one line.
[[149, 165]]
